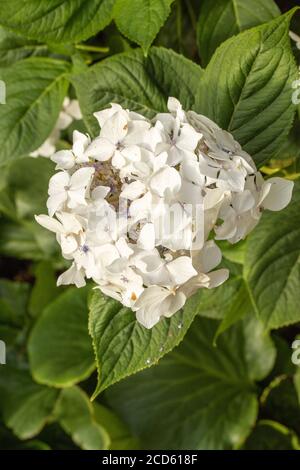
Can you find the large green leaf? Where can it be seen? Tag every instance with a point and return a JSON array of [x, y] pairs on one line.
[[75, 413], [140, 20], [25, 187], [270, 435], [228, 302], [213, 303], [56, 20], [221, 19], [27, 241], [14, 47], [60, 349], [35, 90], [198, 396], [272, 267], [246, 87], [281, 402], [13, 303], [138, 83], [27, 181], [24, 405], [119, 434], [123, 346], [44, 290]]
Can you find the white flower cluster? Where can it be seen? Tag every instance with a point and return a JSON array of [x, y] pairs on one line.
[[137, 208]]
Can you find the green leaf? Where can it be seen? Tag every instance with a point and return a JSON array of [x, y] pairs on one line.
[[123, 346], [44, 290], [280, 402], [58, 20], [34, 445], [234, 253], [27, 181], [35, 89], [9, 442], [14, 47], [291, 146], [221, 19], [27, 241], [246, 87], [60, 349], [239, 307], [25, 405], [228, 302], [75, 414], [119, 434], [283, 364], [137, 83], [13, 304], [198, 396], [272, 267], [213, 303], [270, 435], [141, 20]]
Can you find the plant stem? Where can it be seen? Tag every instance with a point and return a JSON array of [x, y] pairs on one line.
[[86, 47]]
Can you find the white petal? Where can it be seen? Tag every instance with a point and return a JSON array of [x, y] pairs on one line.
[[181, 270], [56, 202], [76, 198], [213, 197], [111, 291], [148, 317], [100, 149], [173, 304], [72, 276], [146, 239], [68, 244], [80, 142], [58, 182], [73, 109], [280, 194], [243, 202], [47, 148], [188, 139], [63, 121], [208, 258], [160, 161], [148, 306], [64, 159], [49, 223], [105, 114], [118, 161], [123, 248], [133, 190], [165, 180], [151, 296], [173, 104], [115, 128], [81, 178], [216, 278], [70, 222], [228, 227], [100, 192], [131, 153], [190, 193]]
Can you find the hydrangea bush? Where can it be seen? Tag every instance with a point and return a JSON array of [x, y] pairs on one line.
[[160, 307]]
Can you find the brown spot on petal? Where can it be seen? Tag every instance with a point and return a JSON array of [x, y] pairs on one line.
[[133, 296]]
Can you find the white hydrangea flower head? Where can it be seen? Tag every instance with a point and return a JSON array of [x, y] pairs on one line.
[[138, 209]]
